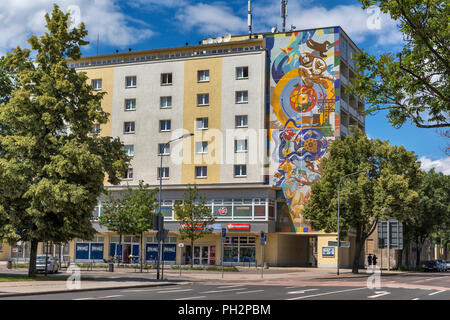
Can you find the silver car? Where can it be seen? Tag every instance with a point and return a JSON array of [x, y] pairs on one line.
[[52, 263]]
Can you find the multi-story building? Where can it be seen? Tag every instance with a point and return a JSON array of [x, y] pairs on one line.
[[264, 110]]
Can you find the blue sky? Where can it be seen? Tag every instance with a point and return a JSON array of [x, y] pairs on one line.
[[148, 24]]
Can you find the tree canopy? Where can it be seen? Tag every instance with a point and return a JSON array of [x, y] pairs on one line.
[[413, 85], [388, 190], [52, 168]]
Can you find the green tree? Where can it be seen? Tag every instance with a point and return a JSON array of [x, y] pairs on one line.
[[141, 203], [194, 216], [6, 82], [387, 191], [51, 168], [413, 85], [431, 212]]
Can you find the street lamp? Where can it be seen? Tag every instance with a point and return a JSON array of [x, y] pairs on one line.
[[338, 217], [160, 219]]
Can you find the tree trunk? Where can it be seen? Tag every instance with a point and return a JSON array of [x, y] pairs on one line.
[[192, 254], [418, 252], [33, 253], [141, 255], [358, 247], [119, 251]]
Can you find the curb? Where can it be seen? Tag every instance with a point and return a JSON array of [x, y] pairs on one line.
[[88, 289]]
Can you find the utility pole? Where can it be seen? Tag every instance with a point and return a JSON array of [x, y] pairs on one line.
[[250, 18], [283, 14]]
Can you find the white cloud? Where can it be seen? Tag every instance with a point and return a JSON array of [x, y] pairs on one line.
[[23, 18], [440, 165], [211, 18]]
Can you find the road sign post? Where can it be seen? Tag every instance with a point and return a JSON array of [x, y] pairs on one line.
[[224, 234], [262, 243]]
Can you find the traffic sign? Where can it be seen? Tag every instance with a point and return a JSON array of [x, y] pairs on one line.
[[181, 245], [224, 232], [344, 244]]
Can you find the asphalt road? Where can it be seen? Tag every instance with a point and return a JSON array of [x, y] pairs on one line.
[[249, 292]]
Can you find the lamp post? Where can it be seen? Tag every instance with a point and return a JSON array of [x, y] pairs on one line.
[[160, 219], [339, 212]]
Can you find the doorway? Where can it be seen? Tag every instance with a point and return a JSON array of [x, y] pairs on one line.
[[203, 255]]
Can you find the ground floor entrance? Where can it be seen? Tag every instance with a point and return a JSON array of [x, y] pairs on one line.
[[202, 255]]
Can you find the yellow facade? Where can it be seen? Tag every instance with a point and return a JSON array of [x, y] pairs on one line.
[[191, 112]]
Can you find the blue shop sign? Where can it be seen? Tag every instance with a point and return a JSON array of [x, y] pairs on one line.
[[97, 251], [82, 251]]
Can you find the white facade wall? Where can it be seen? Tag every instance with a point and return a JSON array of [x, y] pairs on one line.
[[147, 116], [254, 109]]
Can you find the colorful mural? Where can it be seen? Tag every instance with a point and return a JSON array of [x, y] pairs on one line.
[[303, 111]]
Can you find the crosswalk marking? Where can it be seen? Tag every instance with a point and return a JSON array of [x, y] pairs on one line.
[[253, 291], [433, 293], [226, 290]]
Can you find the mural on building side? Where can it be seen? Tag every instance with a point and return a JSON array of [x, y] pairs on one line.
[[304, 113]]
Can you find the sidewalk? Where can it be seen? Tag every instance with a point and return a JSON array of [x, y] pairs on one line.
[[129, 278]]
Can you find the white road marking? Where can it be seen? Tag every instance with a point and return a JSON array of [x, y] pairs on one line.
[[437, 292], [415, 299], [226, 290], [189, 298], [179, 290], [253, 291], [83, 299], [230, 286], [143, 290], [301, 291], [379, 294], [107, 297], [326, 293]]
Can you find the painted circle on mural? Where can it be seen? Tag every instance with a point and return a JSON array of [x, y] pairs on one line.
[[297, 99], [303, 99]]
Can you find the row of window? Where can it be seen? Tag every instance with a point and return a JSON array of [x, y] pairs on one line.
[[166, 125], [201, 172], [202, 100], [201, 147], [163, 56], [166, 78]]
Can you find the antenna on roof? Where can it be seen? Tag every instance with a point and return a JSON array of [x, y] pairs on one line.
[[250, 18], [283, 14], [98, 39]]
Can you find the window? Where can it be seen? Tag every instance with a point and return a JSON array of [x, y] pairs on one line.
[[130, 104], [163, 173], [203, 99], [166, 102], [166, 79], [201, 147], [241, 96], [97, 84], [241, 121], [240, 170], [163, 149], [129, 149], [130, 82], [202, 123], [128, 127], [200, 172], [240, 146], [129, 174], [203, 76], [96, 129], [242, 73], [164, 125]]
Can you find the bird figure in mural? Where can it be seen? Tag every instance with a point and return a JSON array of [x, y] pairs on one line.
[[311, 70]]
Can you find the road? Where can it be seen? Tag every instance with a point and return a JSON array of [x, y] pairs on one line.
[[411, 286]]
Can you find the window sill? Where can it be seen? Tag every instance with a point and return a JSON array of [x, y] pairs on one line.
[[166, 84], [129, 132], [129, 109], [241, 151], [241, 102], [202, 81], [240, 127], [241, 177], [130, 87], [243, 78], [201, 177], [202, 105], [163, 154], [166, 107], [164, 131]]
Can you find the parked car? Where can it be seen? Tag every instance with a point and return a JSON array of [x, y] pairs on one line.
[[53, 265], [448, 264], [431, 265], [442, 265]]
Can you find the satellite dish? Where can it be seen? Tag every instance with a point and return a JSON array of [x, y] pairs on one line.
[[227, 37], [219, 39], [209, 41]]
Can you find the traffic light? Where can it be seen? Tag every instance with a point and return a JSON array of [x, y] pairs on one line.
[[158, 222]]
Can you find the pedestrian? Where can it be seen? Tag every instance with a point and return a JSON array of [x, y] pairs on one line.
[[369, 260], [374, 260]]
